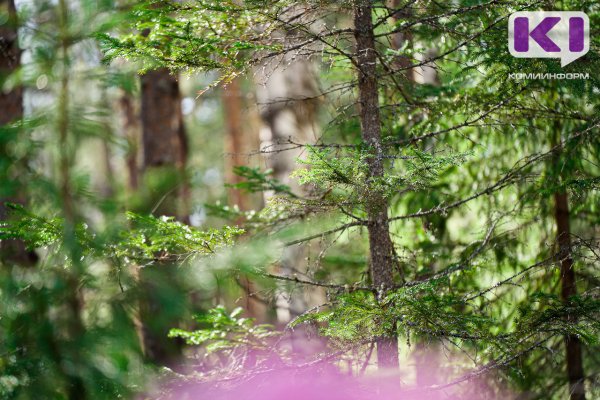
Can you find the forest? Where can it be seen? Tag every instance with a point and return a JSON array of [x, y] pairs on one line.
[[318, 199]]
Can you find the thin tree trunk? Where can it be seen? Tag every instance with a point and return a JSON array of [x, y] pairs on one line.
[[107, 185], [165, 149], [73, 300], [568, 289], [130, 122], [380, 244], [573, 353], [131, 133]]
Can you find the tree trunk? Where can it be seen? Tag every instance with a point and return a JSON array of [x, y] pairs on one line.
[[11, 102], [235, 144], [287, 94], [131, 134], [380, 244], [562, 218], [73, 299], [11, 110], [165, 152], [287, 115], [569, 289], [288, 97], [240, 141], [164, 140]]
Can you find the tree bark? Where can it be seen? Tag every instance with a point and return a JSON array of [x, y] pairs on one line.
[[380, 244], [11, 102], [131, 133], [240, 140], [11, 110], [165, 149], [568, 289], [235, 142], [164, 140]]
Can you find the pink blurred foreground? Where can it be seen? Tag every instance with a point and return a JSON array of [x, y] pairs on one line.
[[325, 381]]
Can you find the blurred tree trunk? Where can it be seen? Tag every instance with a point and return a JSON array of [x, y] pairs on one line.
[[131, 133], [235, 142], [74, 302], [128, 106], [240, 141], [562, 218], [287, 95], [11, 110], [107, 185], [164, 141], [11, 102], [569, 289], [400, 39], [165, 150], [574, 359], [380, 244]]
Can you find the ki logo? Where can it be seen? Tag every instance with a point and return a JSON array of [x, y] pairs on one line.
[[549, 34]]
